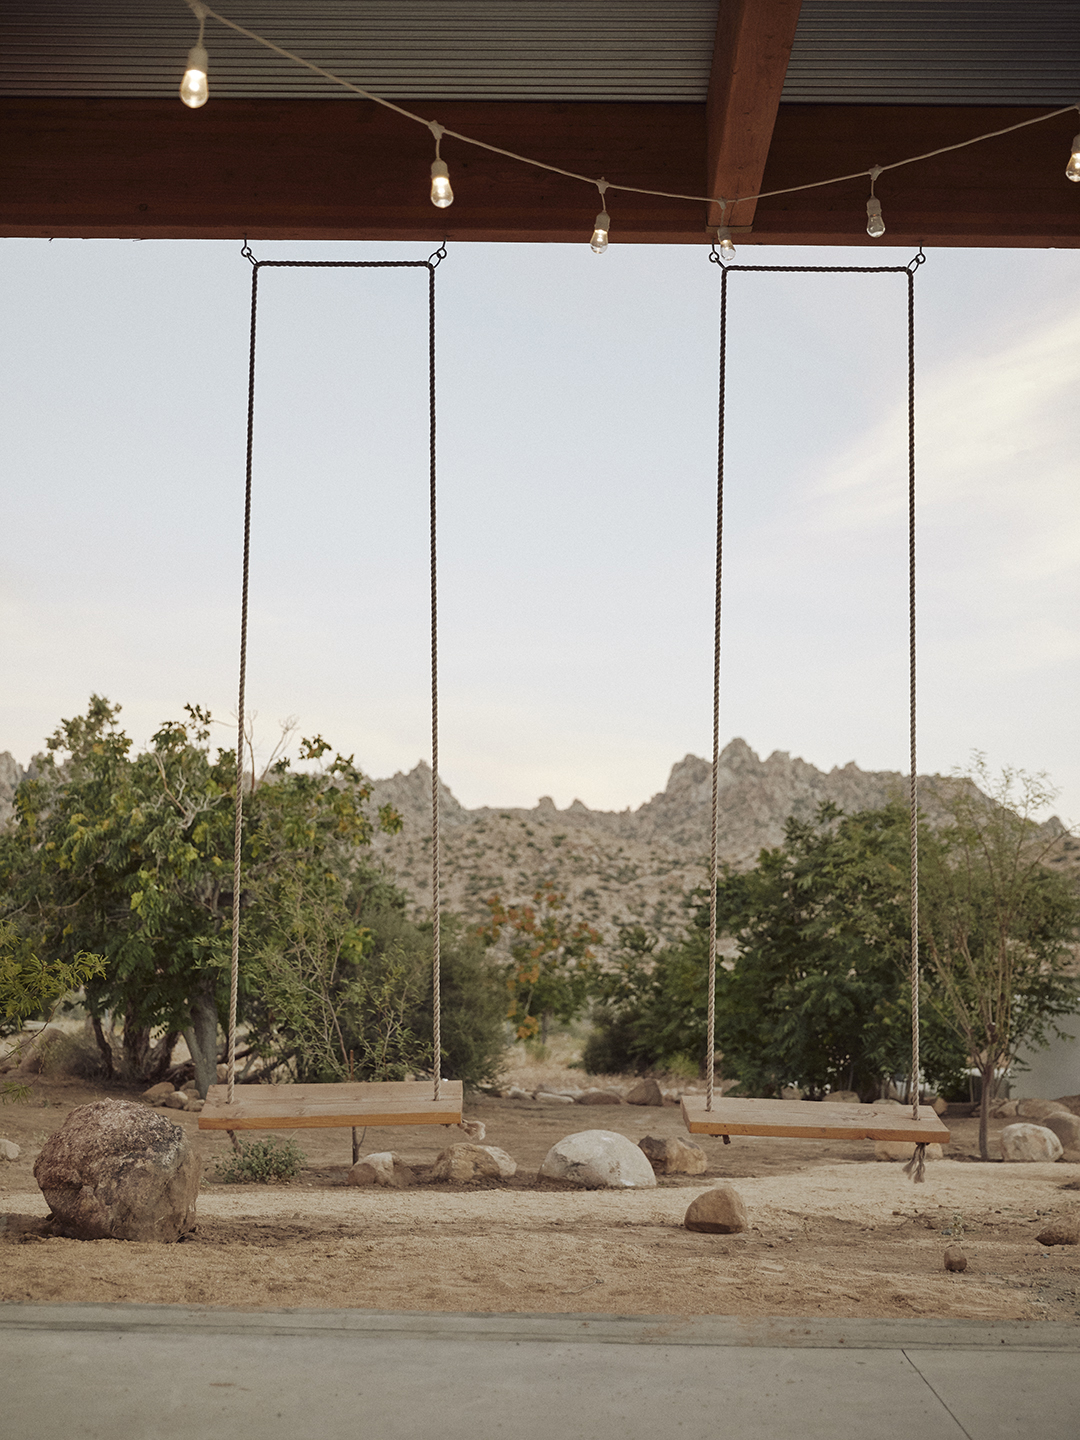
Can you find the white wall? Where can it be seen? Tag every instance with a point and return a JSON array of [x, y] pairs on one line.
[[1054, 1071]]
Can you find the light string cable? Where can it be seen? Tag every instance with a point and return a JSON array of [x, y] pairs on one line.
[[431, 264], [258, 39]]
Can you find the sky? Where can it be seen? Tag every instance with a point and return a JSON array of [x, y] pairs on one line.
[[577, 471]]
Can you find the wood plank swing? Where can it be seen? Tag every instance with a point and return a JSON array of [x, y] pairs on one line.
[[235, 1107], [717, 1115]]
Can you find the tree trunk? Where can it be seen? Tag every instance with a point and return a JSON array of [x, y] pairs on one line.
[[158, 1060], [984, 1111], [105, 1048], [136, 1047], [201, 1037]]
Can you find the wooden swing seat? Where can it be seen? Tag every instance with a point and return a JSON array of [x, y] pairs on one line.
[[313, 1107], [807, 1120]]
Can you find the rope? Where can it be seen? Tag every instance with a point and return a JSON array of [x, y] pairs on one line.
[[238, 808], [913, 801], [710, 1043], [908, 270], [436, 945], [431, 264]]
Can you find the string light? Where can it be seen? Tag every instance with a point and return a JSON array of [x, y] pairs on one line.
[[875, 225], [194, 90], [723, 236], [602, 223], [441, 194], [1072, 170]]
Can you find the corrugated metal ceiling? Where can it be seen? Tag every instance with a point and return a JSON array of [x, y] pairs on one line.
[[1005, 52]]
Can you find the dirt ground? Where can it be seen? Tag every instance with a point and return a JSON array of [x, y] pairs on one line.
[[834, 1232]]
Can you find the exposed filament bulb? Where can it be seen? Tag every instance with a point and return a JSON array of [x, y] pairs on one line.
[[601, 226], [441, 194], [194, 90]]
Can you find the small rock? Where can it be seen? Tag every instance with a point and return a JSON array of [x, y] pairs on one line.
[[475, 1129], [940, 1106], [1031, 1143], [599, 1097], [515, 1092], [1070, 1103], [1065, 1231], [720, 1211], [381, 1168], [842, 1097], [464, 1162], [790, 1092], [176, 1101], [598, 1160], [1038, 1109], [113, 1171], [955, 1259], [9, 1150], [903, 1150], [222, 1074], [1003, 1109], [674, 1156], [646, 1092], [548, 1097], [157, 1093], [194, 1104]]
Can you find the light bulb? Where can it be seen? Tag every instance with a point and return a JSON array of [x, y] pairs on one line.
[[601, 226], [1072, 170], [875, 225], [441, 194], [727, 245], [193, 88]]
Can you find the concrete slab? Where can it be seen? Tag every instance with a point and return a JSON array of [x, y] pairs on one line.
[[100, 1372]]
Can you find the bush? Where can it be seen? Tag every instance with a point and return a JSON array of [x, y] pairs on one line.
[[261, 1162]]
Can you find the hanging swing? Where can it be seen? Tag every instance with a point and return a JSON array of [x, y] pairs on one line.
[[437, 1101], [710, 1114]]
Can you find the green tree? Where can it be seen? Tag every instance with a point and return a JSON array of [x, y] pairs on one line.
[[1000, 926], [130, 856], [550, 964], [30, 986]]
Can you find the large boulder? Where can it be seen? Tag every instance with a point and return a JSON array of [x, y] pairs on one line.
[[1063, 1231], [1038, 1109], [381, 1168], [598, 1160], [464, 1162], [720, 1211], [1031, 1143], [1066, 1126], [674, 1156], [646, 1092], [119, 1171]]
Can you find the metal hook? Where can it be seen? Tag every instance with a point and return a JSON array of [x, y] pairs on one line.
[[247, 252], [714, 254], [436, 257], [916, 261]]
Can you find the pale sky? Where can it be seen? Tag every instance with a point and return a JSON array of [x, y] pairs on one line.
[[577, 473]]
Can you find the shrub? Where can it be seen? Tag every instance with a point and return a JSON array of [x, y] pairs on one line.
[[261, 1162]]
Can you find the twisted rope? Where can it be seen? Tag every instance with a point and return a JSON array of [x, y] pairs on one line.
[[913, 798], [430, 265], [909, 271]]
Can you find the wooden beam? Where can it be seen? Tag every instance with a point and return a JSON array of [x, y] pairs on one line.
[[750, 60], [333, 170]]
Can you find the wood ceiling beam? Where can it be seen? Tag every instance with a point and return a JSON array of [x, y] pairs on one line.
[[750, 60], [329, 170]]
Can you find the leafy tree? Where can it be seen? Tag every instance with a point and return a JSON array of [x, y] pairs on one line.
[[817, 994], [1000, 926], [29, 986], [551, 961], [130, 856]]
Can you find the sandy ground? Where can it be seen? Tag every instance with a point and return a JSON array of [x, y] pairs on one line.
[[834, 1232]]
